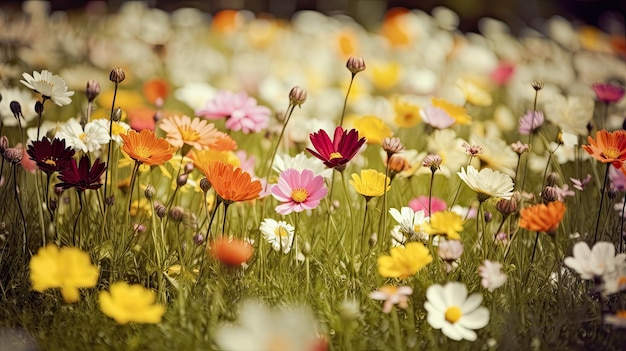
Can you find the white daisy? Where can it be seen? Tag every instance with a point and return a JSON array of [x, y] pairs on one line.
[[410, 222], [260, 328], [118, 128], [595, 262], [87, 140], [491, 274], [49, 86], [456, 314], [278, 234], [487, 182]]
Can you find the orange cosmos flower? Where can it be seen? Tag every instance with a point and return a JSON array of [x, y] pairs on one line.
[[231, 183], [146, 148], [608, 147], [183, 130], [224, 143], [231, 252], [543, 218], [156, 90]]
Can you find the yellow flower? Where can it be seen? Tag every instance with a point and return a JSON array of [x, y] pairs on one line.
[[457, 112], [404, 262], [474, 94], [67, 268], [371, 183], [385, 75], [444, 223], [407, 114], [372, 128], [130, 303], [143, 206]]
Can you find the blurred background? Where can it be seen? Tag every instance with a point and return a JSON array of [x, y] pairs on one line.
[[517, 13]]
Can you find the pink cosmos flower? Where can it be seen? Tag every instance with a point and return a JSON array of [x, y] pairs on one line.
[[608, 93], [530, 122], [618, 179], [240, 110], [436, 117], [502, 73], [421, 204], [298, 191], [580, 184]]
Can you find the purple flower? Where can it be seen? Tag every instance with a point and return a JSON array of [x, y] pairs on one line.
[[530, 122], [240, 110], [580, 184], [608, 93]]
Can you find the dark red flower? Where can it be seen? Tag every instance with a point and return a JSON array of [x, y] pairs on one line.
[[82, 176], [50, 155], [608, 93], [340, 150]]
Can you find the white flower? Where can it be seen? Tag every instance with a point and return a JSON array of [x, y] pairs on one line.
[[410, 222], [596, 262], [26, 100], [278, 234], [487, 182], [88, 140], [451, 310], [260, 328], [571, 114], [450, 251], [497, 154], [491, 274], [301, 162], [118, 128], [392, 295], [49, 86]]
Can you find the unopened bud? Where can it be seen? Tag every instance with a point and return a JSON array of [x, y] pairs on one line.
[[397, 164], [553, 179], [39, 107], [16, 109], [432, 161], [160, 210], [198, 239], [92, 90], [117, 115], [355, 65], [297, 96], [110, 200], [537, 85], [149, 192], [549, 194], [13, 154], [392, 146], [182, 179], [205, 185], [117, 75], [188, 168], [488, 217], [507, 207], [176, 214]]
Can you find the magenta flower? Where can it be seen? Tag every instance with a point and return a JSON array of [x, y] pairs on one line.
[[298, 191], [240, 110], [337, 152], [608, 93], [530, 122], [421, 204]]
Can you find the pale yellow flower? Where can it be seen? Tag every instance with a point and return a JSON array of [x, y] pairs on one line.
[[474, 94]]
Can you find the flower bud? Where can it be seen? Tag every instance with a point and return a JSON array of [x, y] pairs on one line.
[[205, 185], [149, 192], [182, 179], [519, 148], [355, 65], [488, 217], [297, 96], [188, 168], [92, 90], [13, 154], [553, 179], [16, 108], [432, 161], [537, 85], [160, 210], [549, 194], [507, 207], [117, 75], [176, 214], [392, 146], [39, 107], [110, 200], [198, 239], [117, 115], [139, 228], [397, 164]]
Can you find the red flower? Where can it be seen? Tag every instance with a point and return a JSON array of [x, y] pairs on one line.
[[231, 252], [83, 176], [50, 156], [608, 93], [340, 150]]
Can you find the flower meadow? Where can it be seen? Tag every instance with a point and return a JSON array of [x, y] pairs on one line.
[[184, 181]]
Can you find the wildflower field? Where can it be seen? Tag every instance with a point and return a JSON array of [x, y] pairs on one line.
[[186, 181]]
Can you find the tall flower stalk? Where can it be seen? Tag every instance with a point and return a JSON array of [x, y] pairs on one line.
[[116, 76], [354, 65]]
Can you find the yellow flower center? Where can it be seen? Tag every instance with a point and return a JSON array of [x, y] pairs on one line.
[[82, 137], [50, 162], [453, 314], [142, 151], [188, 134], [610, 153], [299, 195], [417, 228], [335, 155], [117, 129], [281, 232]]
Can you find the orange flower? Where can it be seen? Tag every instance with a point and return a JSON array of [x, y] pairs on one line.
[[146, 148], [224, 143], [542, 218], [608, 147], [156, 90], [183, 130], [231, 252], [201, 158], [231, 183]]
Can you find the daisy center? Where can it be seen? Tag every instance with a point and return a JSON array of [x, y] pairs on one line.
[[281, 232], [82, 137], [189, 134], [118, 129], [50, 162], [611, 152], [299, 194], [453, 314], [335, 155], [142, 151]]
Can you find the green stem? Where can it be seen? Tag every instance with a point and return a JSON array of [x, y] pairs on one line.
[[288, 113], [106, 172], [345, 101], [606, 177], [396, 328]]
